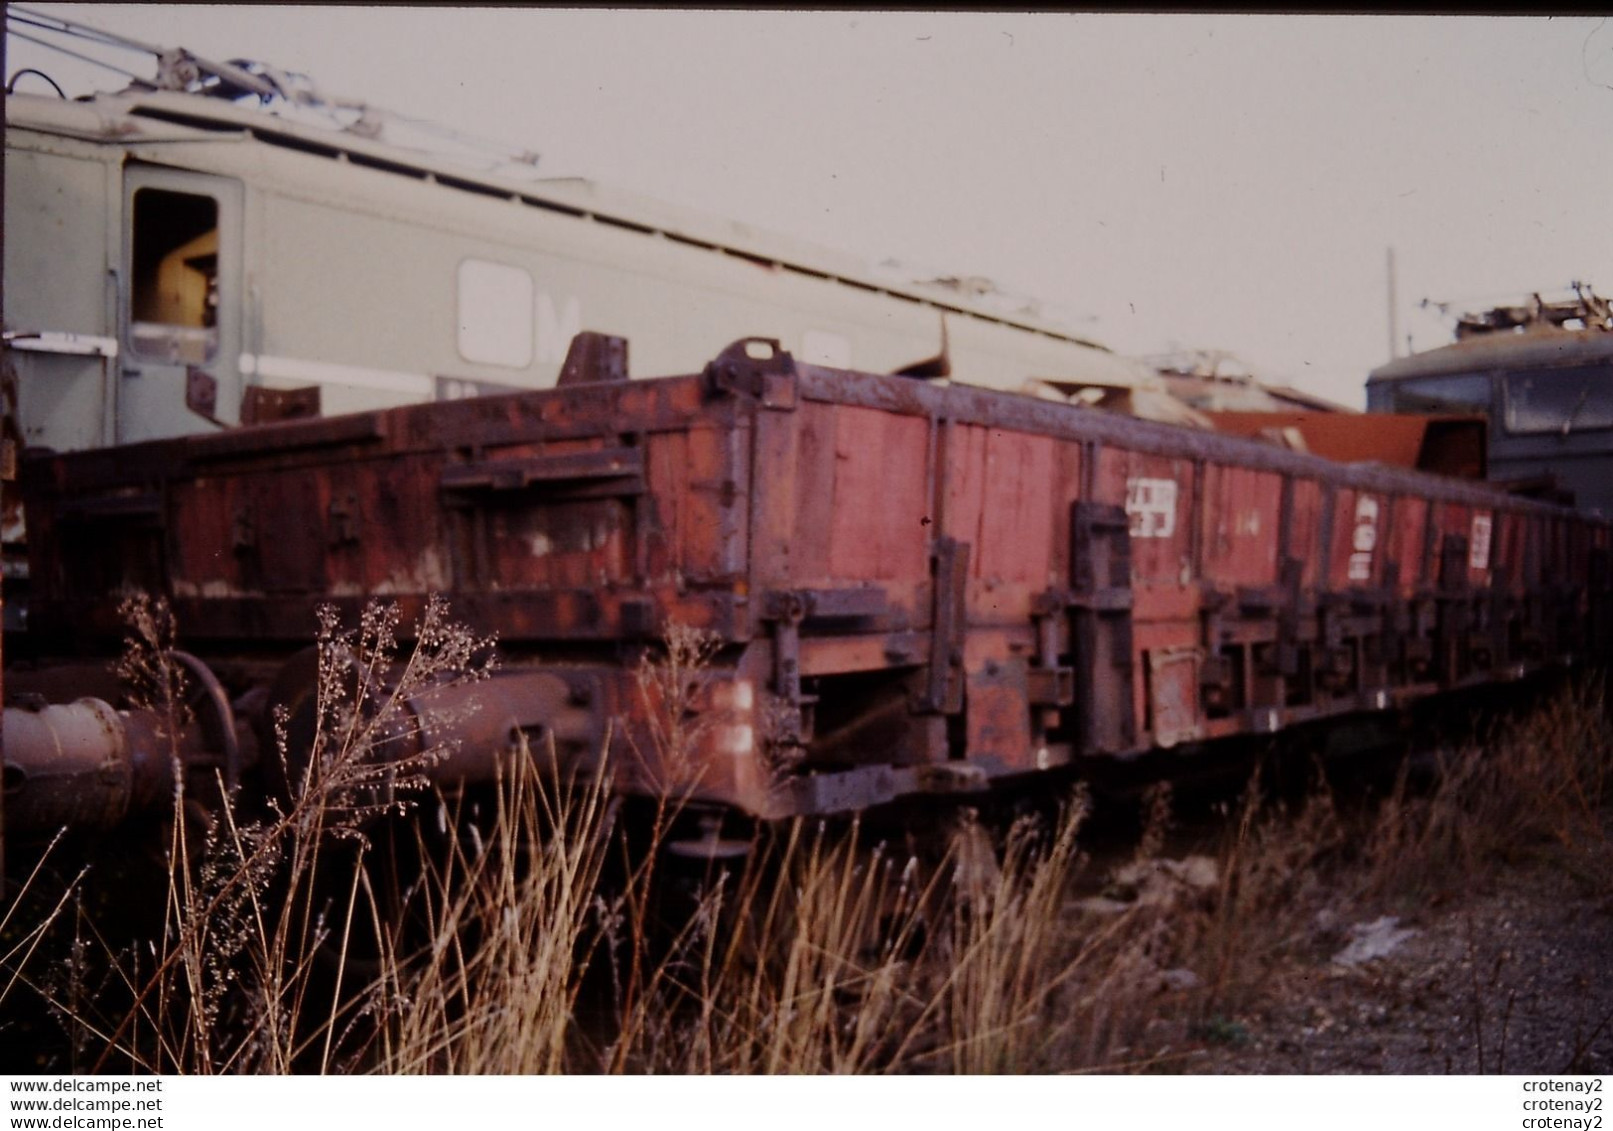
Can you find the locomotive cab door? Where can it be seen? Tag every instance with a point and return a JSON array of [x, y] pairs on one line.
[[180, 306]]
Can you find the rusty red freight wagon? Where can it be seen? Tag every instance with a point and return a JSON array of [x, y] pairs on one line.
[[916, 587]]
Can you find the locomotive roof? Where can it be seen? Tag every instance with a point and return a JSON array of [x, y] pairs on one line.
[[154, 117], [1536, 346]]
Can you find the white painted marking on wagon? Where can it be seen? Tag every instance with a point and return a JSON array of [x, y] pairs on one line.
[[1151, 505], [1479, 555], [1365, 539]]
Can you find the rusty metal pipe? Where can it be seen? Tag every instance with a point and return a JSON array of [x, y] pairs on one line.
[[83, 764], [477, 727], [453, 733]]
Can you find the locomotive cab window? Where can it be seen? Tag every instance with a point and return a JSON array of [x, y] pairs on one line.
[[173, 297], [1564, 400], [1461, 395]]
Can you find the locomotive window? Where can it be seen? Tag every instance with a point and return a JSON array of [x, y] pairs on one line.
[[173, 295], [1462, 395], [495, 314], [1570, 399]]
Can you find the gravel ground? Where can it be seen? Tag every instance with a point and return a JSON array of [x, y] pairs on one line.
[[1514, 978]]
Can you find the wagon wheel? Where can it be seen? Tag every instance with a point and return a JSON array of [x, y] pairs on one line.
[[373, 884], [206, 703]]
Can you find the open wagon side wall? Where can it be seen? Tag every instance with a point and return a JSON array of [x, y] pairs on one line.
[[917, 587], [1128, 586], [592, 514]]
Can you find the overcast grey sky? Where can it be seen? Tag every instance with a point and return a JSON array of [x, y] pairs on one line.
[[1217, 181]]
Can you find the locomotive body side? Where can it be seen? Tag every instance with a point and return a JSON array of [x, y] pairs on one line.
[[178, 264], [916, 588]]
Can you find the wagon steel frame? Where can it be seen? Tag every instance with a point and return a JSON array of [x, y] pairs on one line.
[[916, 587]]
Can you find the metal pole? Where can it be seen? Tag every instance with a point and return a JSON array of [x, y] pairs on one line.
[[1394, 316]]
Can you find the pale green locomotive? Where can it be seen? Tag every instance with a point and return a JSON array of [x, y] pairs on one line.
[[222, 246]]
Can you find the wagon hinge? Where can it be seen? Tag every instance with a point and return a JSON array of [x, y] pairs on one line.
[[784, 612], [757, 368], [1100, 603], [344, 525], [1394, 617], [1048, 682], [1491, 645], [1334, 664], [943, 689], [1291, 611], [1453, 567], [1452, 610], [243, 531]]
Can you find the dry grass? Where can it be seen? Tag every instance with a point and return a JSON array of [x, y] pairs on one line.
[[509, 918], [1535, 786], [237, 977], [1539, 781], [508, 936]]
